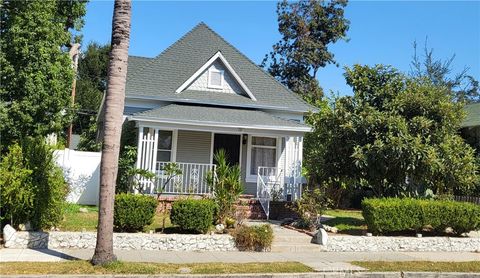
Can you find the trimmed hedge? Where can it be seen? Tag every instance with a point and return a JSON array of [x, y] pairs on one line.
[[193, 215], [254, 238], [387, 215], [133, 212]]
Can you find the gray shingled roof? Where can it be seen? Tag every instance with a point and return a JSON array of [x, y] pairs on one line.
[[159, 77], [208, 115], [473, 115]]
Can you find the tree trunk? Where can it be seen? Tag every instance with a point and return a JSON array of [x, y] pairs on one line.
[[117, 74]]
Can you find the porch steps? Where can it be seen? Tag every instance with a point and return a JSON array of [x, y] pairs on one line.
[[286, 240]]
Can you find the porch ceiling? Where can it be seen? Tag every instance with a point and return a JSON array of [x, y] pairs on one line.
[[209, 116]]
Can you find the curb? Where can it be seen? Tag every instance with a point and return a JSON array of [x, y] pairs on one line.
[[270, 275]]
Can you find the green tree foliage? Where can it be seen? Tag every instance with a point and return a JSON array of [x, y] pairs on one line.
[[32, 187], [464, 87], [307, 27], [91, 84], [397, 135], [35, 66], [88, 139]]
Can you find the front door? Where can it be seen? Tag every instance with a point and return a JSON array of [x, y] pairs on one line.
[[231, 144]]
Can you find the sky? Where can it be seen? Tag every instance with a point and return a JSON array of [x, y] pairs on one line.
[[381, 32]]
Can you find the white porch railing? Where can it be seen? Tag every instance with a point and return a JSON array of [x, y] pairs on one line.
[[269, 185], [191, 180]]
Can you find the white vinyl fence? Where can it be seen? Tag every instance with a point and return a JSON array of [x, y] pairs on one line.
[[82, 172]]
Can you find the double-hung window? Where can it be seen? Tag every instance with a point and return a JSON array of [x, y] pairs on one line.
[[164, 147], [263, 153]]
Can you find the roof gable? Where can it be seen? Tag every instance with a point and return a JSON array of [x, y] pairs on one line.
[[219, 60], [162, 76]]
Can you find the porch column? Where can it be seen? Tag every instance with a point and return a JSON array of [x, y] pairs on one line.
[[147, 154], [293, 165]]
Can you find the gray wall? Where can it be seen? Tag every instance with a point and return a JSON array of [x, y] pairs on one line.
[[194, 146]]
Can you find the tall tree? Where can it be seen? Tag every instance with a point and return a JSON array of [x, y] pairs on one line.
[[308, 28], [35, 66], [397, 136], [91, 81], [465, 87], [114, 101]]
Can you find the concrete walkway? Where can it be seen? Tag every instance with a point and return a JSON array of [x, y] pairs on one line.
[[320, 261]]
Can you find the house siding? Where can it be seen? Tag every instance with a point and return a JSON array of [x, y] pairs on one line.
[[230, 85], [194, 146]]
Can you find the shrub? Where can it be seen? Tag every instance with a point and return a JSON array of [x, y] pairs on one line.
[[32, 186], [254, 238], [310, 207], [16, 193], [133, 212], [51, 189], [226, 186], [193, 215], [395, 214]]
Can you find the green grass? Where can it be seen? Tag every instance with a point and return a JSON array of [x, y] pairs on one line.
[[423, 266], [346, 221], [76, 221], [84, 267]]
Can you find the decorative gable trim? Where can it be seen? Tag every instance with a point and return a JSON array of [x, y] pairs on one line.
[[218, 55]]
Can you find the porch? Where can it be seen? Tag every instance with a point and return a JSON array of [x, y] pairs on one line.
[[268, 149]]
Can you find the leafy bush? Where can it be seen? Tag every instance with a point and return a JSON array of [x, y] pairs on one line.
[[50, 186], [16, 192], [254, 238], [133, 212], [193, 215], [395, 214], [226, 186], [310, 207], [32, 186]]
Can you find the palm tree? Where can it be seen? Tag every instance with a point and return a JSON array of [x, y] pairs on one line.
[[112, 127]]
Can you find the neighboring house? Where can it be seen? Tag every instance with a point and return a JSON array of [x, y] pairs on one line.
[[201, 95], [470, 128]]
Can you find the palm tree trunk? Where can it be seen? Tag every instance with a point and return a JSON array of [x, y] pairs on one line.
[[117, 74]]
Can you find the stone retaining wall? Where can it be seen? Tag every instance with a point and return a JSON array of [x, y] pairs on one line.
[[401, 244], [123, 241]]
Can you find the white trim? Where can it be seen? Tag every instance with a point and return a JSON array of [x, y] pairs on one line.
[[217, 55], [211, 147], [248, 175], [217, 124], [209, 78]]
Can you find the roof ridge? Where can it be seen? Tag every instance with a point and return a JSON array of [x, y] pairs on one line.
[[136, 56], [257, 66]]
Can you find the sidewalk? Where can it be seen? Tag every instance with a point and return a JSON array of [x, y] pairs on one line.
[[319, 261]]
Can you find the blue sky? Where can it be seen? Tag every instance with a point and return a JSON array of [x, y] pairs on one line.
[[380, 31]]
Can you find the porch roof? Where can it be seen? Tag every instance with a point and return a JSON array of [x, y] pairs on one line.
[[210, 116]]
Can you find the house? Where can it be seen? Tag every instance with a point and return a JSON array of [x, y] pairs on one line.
[[470, 128], [201, 95]]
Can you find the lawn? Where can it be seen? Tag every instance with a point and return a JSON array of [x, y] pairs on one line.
[[84, 267], [76, 221], [421, 266], [346, 221]]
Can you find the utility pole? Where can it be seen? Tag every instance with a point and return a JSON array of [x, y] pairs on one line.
[[74, 52]]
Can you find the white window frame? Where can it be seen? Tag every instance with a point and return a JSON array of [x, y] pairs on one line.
[[253, 177], [222, 78]]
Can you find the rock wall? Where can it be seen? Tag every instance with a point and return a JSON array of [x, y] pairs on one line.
[[401, 244], [122, 241]]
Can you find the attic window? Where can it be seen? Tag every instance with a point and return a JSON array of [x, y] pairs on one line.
[[215, 78]]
